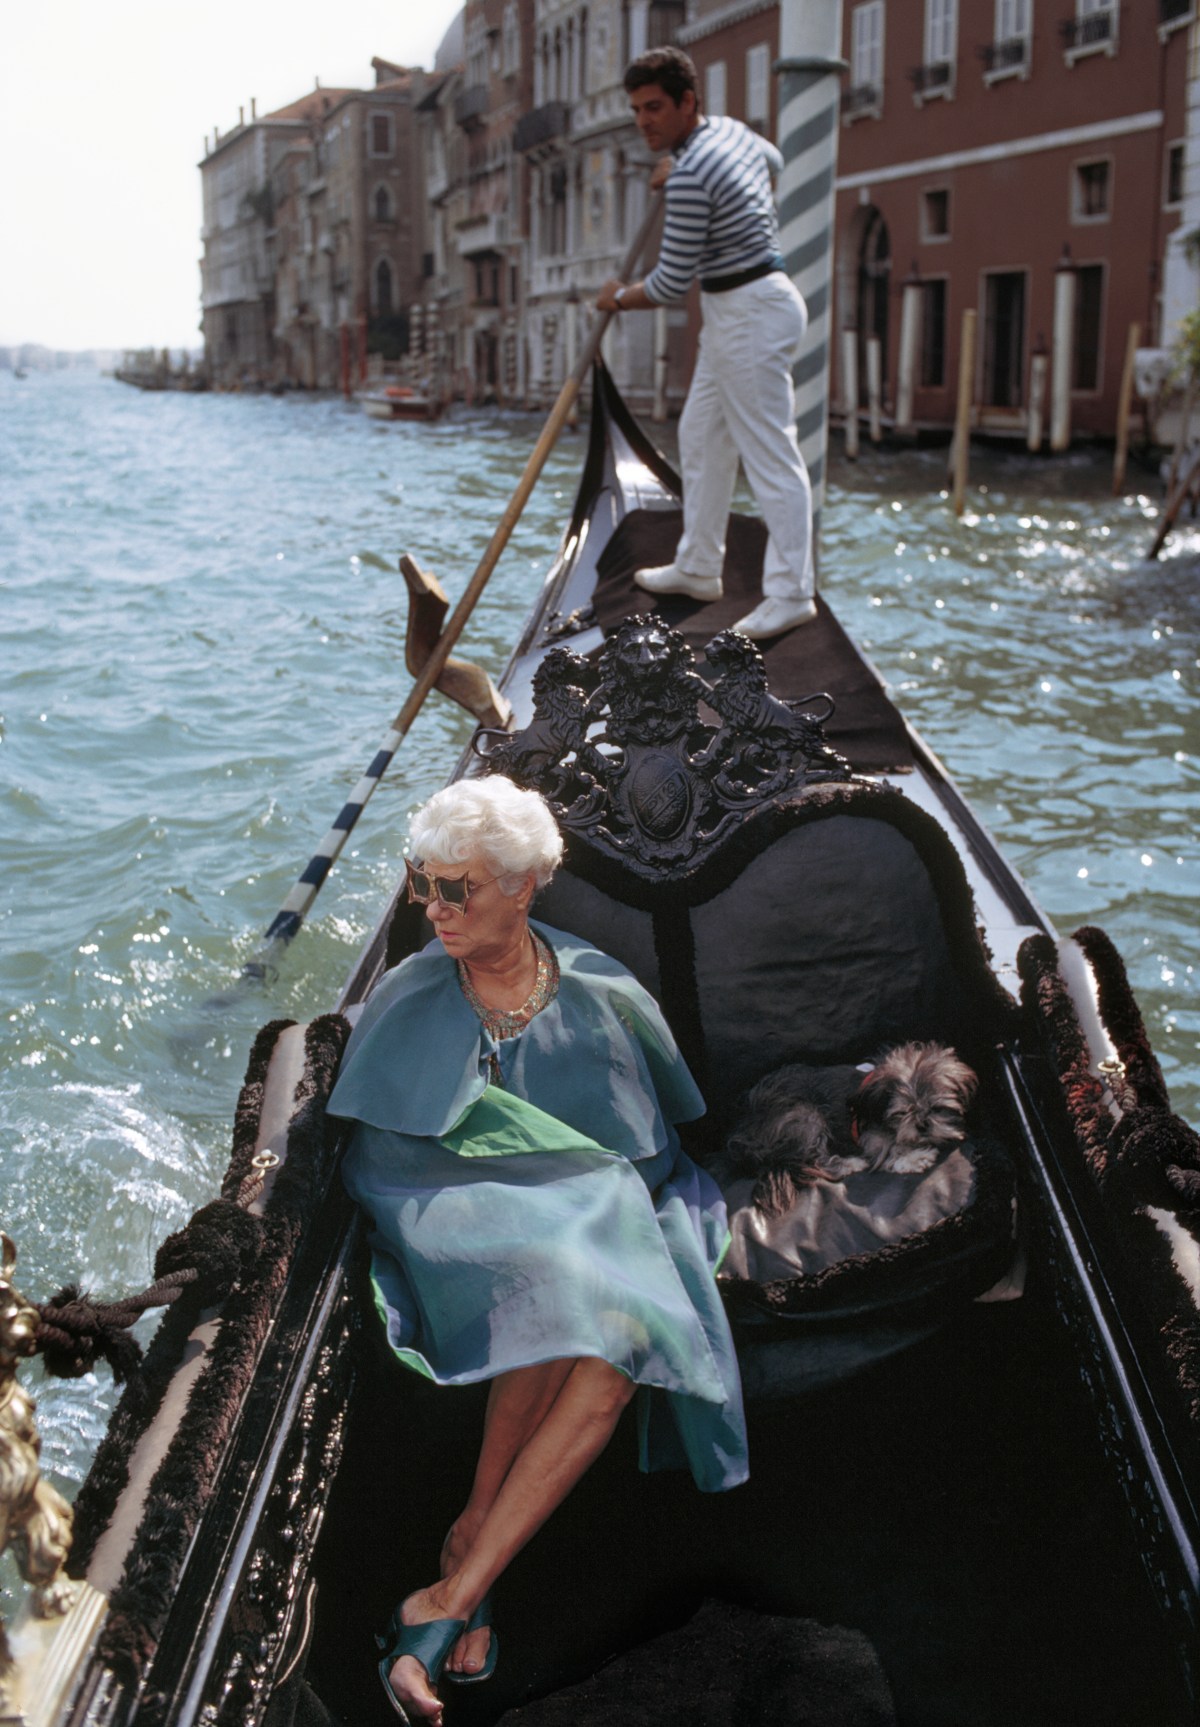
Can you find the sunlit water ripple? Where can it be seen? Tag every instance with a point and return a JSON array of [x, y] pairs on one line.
[[203, 631]]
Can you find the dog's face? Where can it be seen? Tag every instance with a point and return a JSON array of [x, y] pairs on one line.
[[909, 1110]]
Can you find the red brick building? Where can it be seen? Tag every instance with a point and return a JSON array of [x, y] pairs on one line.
[[989, 147]]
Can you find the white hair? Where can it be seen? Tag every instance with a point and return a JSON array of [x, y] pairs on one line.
[[510, 829]]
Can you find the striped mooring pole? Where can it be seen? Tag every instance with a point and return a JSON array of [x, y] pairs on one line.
[[810, 69]]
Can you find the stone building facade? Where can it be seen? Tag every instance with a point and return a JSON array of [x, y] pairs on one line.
[[465, 218], [239, 262], [490, 235], [314, 236], [588, 190], [439, 339], [476, 187]]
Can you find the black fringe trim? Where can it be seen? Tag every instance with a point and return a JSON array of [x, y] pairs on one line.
[[970, 1249], [1146, 1157], [184, 1482], [1047, 1000], [108, 1476], [1122, 1018]]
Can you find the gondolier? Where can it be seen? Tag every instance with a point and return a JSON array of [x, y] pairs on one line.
[[721, 227]]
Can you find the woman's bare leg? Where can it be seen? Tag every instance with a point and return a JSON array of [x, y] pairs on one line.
[[571, 1435], [517, 1404]]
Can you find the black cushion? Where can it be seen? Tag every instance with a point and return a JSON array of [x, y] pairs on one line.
[[786, 967], [623, 931]]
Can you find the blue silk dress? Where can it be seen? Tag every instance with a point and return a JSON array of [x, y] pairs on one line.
[[550, 1217]]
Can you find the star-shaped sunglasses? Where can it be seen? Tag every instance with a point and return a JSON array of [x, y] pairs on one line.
[[452, 891]]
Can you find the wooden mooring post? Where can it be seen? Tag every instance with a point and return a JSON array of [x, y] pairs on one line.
[[1187, 485], [1185, 422], [962, 418], [910, 342], [875, 388], [1124, 401], [1037, 396], [850, 390], [1062, 353], [1183, 479]]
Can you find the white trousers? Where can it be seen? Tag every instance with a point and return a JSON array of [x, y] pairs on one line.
[[742, 404]]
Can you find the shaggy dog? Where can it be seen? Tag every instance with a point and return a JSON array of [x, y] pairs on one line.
[[806, 1124], [795, 1129], [911, 1107]]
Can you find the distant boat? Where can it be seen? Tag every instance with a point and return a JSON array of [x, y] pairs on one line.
[[400, 402]]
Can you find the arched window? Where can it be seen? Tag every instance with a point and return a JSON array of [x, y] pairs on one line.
[[383, 204], [383, 288]]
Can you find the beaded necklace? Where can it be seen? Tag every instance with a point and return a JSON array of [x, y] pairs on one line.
[[507, 1022]]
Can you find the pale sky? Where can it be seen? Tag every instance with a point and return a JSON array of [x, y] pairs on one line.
[[104, 108]]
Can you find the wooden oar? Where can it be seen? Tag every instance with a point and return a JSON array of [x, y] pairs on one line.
[[294, 909]]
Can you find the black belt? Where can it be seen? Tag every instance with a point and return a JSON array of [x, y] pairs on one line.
[[739, 278]]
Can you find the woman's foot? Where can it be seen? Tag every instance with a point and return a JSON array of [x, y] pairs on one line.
[[470, 1654], [422, 1621]]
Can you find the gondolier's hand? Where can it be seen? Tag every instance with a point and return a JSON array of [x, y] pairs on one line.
[[633, 297], [661, 172]]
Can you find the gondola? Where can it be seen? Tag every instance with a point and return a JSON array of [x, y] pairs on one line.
[[975, 1493]]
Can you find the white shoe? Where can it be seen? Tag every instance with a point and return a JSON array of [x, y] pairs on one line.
[[667, 579], [774, 616]]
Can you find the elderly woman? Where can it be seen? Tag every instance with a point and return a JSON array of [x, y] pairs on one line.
[[535, 1222]]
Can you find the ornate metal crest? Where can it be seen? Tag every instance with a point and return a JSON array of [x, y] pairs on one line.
[[35, 1520], [621, 752]]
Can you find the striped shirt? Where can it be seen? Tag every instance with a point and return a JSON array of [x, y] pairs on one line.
[[720, 214]]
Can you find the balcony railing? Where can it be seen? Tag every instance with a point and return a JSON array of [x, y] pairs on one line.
[[929, 80], [471, 105], [1089, 32], [482, 234], [860, 99], [1004, 56], [551, 120]]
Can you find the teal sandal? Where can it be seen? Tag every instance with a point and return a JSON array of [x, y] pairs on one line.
[[480, 1620], [430, 1644]]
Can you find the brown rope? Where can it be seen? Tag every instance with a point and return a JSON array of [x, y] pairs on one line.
[[209, 1256]]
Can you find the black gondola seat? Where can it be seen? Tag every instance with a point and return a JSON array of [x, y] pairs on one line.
[[781, 911]]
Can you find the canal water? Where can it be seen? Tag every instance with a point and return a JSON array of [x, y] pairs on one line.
[[201, 647]]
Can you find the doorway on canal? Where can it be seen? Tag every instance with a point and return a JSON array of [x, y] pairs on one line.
[[1003, 338], [870, 248]]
